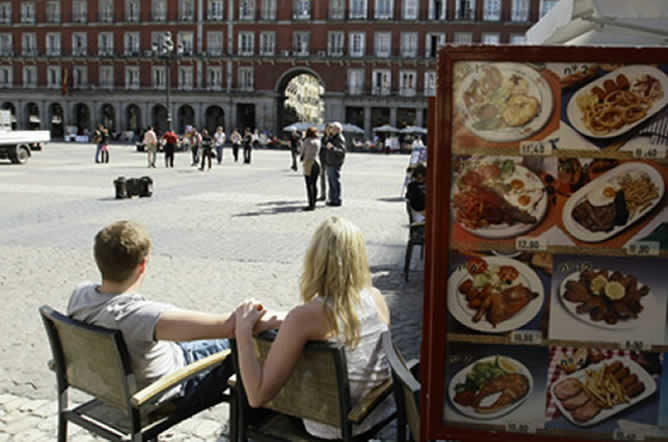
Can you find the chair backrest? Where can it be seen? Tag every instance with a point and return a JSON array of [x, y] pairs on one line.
[[406, 387], [318, 387], [90, 358]]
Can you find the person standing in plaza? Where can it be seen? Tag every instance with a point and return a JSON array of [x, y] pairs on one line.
[[295, 147], [219, 139], [235, 138], [170, 140], [323, 163], [195, 146], [310, 149], [207, 149], [101, 138], [336, 154], [248, 145], [151, 145]]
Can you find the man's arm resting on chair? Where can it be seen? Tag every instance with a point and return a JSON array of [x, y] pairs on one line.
[[190, 325]]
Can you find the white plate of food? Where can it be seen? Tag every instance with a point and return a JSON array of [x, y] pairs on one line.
[[504, 102], [607, 299], [490, 387], [496, 197], [602, 390], [612, 202], [494, 294], [618, 101]]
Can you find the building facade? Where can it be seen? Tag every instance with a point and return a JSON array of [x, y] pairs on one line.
[[80, 62]]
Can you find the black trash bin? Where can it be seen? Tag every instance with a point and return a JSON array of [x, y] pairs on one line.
[[121, 187], [134, 186], [146, 187]]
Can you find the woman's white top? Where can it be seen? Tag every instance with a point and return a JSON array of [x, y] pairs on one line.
[[367, 368]]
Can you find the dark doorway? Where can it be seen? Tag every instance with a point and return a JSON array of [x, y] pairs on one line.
[[12, 110], [82, 118], [109, 117], [245, 116], [215, 116], [133, 118], [355, 115], [159, 118], [300, 99], [380, 116], [406, 116], [185, 117], [56, 119], [32, 116]]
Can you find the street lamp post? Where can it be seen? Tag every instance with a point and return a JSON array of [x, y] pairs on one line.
[[165, 49]]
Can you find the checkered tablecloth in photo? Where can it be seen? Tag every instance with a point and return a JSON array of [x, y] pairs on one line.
[[555, 372]]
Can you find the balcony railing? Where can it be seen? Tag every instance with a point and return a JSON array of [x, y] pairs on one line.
[[53, 52], [335, 52], [79, 52], [53, 18], [132, 52], [132, 18], [132, 85], [379, 90], [5, 20], [6, 53], [32, 52], [159, 16], [81, 17], [214, 52], [105, 52], [407, 92], [105, 17], [215, 17], [28, 19]]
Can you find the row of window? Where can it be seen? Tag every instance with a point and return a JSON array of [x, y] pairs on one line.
[[302, 9], [381, 79], [336, 44]]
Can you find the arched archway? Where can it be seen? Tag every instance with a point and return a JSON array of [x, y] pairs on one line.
[[12, 110], [215, 116], [32, 116], [159, 118], [56, 120], [108, 117], [82, 118], [133, 118], [185, 117], [300, 94]]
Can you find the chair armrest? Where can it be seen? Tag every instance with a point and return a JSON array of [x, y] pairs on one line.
[[369, 402], [232, 381], [176, 378]]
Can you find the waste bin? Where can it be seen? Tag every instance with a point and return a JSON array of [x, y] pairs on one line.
[[145, 187], [121, 187]]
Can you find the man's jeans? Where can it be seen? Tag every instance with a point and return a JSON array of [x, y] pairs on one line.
[[98, 151], [205, 389], [334, 178]]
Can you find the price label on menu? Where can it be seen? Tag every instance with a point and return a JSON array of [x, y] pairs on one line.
[[527, 244], [515, 427], [643, 248], [536, 148], [627, 435], [526, 337], [638, 345], [649, 153]]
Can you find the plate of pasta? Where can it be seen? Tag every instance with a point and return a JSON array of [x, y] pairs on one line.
[[618, 101]]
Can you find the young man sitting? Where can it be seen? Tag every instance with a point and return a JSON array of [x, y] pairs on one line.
[[160, 337]]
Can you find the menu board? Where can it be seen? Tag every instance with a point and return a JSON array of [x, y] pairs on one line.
[[548, 283]]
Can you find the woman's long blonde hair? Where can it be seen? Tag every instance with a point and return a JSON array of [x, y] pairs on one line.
[[336, 269]]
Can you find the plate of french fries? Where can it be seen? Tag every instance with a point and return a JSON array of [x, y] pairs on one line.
[[612, 385]]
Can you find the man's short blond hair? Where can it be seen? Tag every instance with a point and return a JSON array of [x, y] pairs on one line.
[[120, 248]]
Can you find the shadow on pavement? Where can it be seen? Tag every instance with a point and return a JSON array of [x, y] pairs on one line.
[[280, 203], [272, 211], [398, 199]]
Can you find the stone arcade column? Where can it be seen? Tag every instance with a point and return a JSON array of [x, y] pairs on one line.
[[393, 116], [44, 117], [367, 122]]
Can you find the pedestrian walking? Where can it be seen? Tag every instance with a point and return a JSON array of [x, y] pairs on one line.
[[170, 140], [151, 145], [195, 146], [219, 140], [207, 148], [323, 163], [336, 154], [248, 145], [101, 137], [235, 138], [295, 148], [310, 149]]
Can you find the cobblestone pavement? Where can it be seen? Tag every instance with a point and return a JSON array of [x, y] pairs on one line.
[[219, 236]]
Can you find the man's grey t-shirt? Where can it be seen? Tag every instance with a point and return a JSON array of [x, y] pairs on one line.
[[136, 318]]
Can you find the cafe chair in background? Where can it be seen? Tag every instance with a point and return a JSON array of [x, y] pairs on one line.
[[406, 391], [318, 389], [415, 238], [95, 360]]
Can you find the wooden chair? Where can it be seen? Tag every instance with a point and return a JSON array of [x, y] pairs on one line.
[[415, 238], [318, 389], [95, 360], [406, 390]]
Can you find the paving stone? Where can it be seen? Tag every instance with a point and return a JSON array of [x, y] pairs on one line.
[[21, 425]]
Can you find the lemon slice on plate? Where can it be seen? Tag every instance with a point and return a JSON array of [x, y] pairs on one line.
[[614, 290], [507, 366]]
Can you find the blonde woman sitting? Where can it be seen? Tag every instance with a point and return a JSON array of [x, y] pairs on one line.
[[339, 303]]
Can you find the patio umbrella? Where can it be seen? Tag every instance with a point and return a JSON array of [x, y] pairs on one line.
[[413, 130], [347, 127], [385, 128]]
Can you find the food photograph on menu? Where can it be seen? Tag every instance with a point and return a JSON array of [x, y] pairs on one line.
[[603, 391], [495, 384], [500, 104], [608, 299], [494, 294]]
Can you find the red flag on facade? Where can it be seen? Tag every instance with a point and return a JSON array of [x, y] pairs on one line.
[[66, 79]]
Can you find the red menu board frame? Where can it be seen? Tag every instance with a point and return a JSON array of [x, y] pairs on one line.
[[440, 119]]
